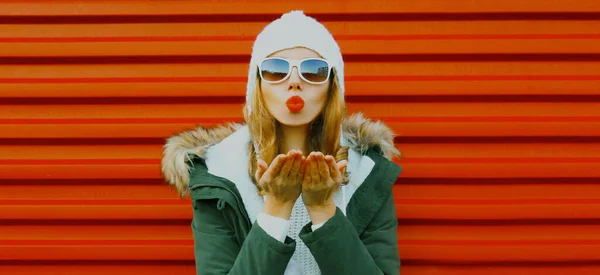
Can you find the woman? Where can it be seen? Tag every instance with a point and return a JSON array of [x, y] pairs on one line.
[[300, 188]]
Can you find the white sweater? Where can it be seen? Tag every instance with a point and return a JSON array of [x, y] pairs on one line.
[[302, 261]]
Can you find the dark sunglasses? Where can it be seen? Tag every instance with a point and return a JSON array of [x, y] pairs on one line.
[[311, 70]]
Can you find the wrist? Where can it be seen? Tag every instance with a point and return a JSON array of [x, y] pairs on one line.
[[278, 209], [322, 213]]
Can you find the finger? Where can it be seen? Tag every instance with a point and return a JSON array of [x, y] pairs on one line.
[[341, 165], [275, 167], [314, 168], [333, 170], [306, 179], [296, 166], [302, 169], [260, 169], [323, 168], [287, 165]]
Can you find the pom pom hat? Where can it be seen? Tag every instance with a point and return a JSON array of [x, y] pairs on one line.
[[294, 29]]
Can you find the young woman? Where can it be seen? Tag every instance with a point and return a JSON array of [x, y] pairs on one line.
[[299, 188]]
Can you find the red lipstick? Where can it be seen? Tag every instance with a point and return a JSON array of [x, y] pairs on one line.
[[295, 104]]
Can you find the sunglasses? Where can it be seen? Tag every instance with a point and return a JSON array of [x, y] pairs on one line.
[[311, 70]]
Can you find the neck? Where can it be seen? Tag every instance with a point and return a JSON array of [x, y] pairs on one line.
[[294, 137]]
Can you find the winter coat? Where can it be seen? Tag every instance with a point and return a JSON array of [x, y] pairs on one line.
[[210, 164]]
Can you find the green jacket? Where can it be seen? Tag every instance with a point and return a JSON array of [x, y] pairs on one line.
[[364, 241]]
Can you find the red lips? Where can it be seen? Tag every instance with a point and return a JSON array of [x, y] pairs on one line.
[[295, 104]]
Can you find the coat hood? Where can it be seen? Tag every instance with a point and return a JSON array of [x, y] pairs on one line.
[[360, 133]]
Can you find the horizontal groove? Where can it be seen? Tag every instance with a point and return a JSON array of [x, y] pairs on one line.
[[95, 222], [339, 37], [500, 242], [83, 141], [458, 98], [182, 211], [457, 160], [494, 201], [398, 140], [239, 120], [120, 120], [349, 99], [470, 98], [80, 184], [95, 262], [324, 17], [398, 78], [512, 128], [553, 263], [411, 160], [126, 100], [182, 59], [489, 119], [174, 201], [492, 139], [507, 222], [401, 222], [132, 80], [79, 161], [155, 243], [408, 262], [96, 242], [496, 181]]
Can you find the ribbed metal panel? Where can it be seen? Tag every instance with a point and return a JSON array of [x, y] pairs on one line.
[[496, 105]]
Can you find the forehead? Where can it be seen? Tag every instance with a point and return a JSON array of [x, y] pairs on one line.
[[296, 53]]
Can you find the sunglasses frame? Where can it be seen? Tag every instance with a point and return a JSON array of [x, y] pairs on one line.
[[294, 63]]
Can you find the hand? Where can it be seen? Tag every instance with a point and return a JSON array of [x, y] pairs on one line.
[[323, 176], [281, 182]]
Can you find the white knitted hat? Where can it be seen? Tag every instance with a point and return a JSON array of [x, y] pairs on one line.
[[294, 29]]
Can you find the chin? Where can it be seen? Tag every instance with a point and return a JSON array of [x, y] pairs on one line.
[[294, 119]]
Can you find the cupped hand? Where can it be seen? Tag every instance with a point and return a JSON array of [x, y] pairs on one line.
[[322, 178], [281, 181]]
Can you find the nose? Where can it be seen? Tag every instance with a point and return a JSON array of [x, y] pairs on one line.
[[294, 81]]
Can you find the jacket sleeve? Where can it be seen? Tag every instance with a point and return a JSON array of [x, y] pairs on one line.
[[338, 249], [218, 251]]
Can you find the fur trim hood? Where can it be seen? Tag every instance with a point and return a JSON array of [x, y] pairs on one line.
[[359, 133]]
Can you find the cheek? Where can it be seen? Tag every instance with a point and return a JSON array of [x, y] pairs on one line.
[[319, 97], [269, 95]]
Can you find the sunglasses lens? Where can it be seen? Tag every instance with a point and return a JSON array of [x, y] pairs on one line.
[[314, 70], [274, 69]]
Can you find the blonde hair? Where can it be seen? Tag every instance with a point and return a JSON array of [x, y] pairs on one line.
[[324, 130]]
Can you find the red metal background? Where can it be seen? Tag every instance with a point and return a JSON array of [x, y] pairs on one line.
[[496, 104]]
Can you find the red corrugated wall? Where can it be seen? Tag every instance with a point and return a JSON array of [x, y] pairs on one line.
[[496, 104]]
